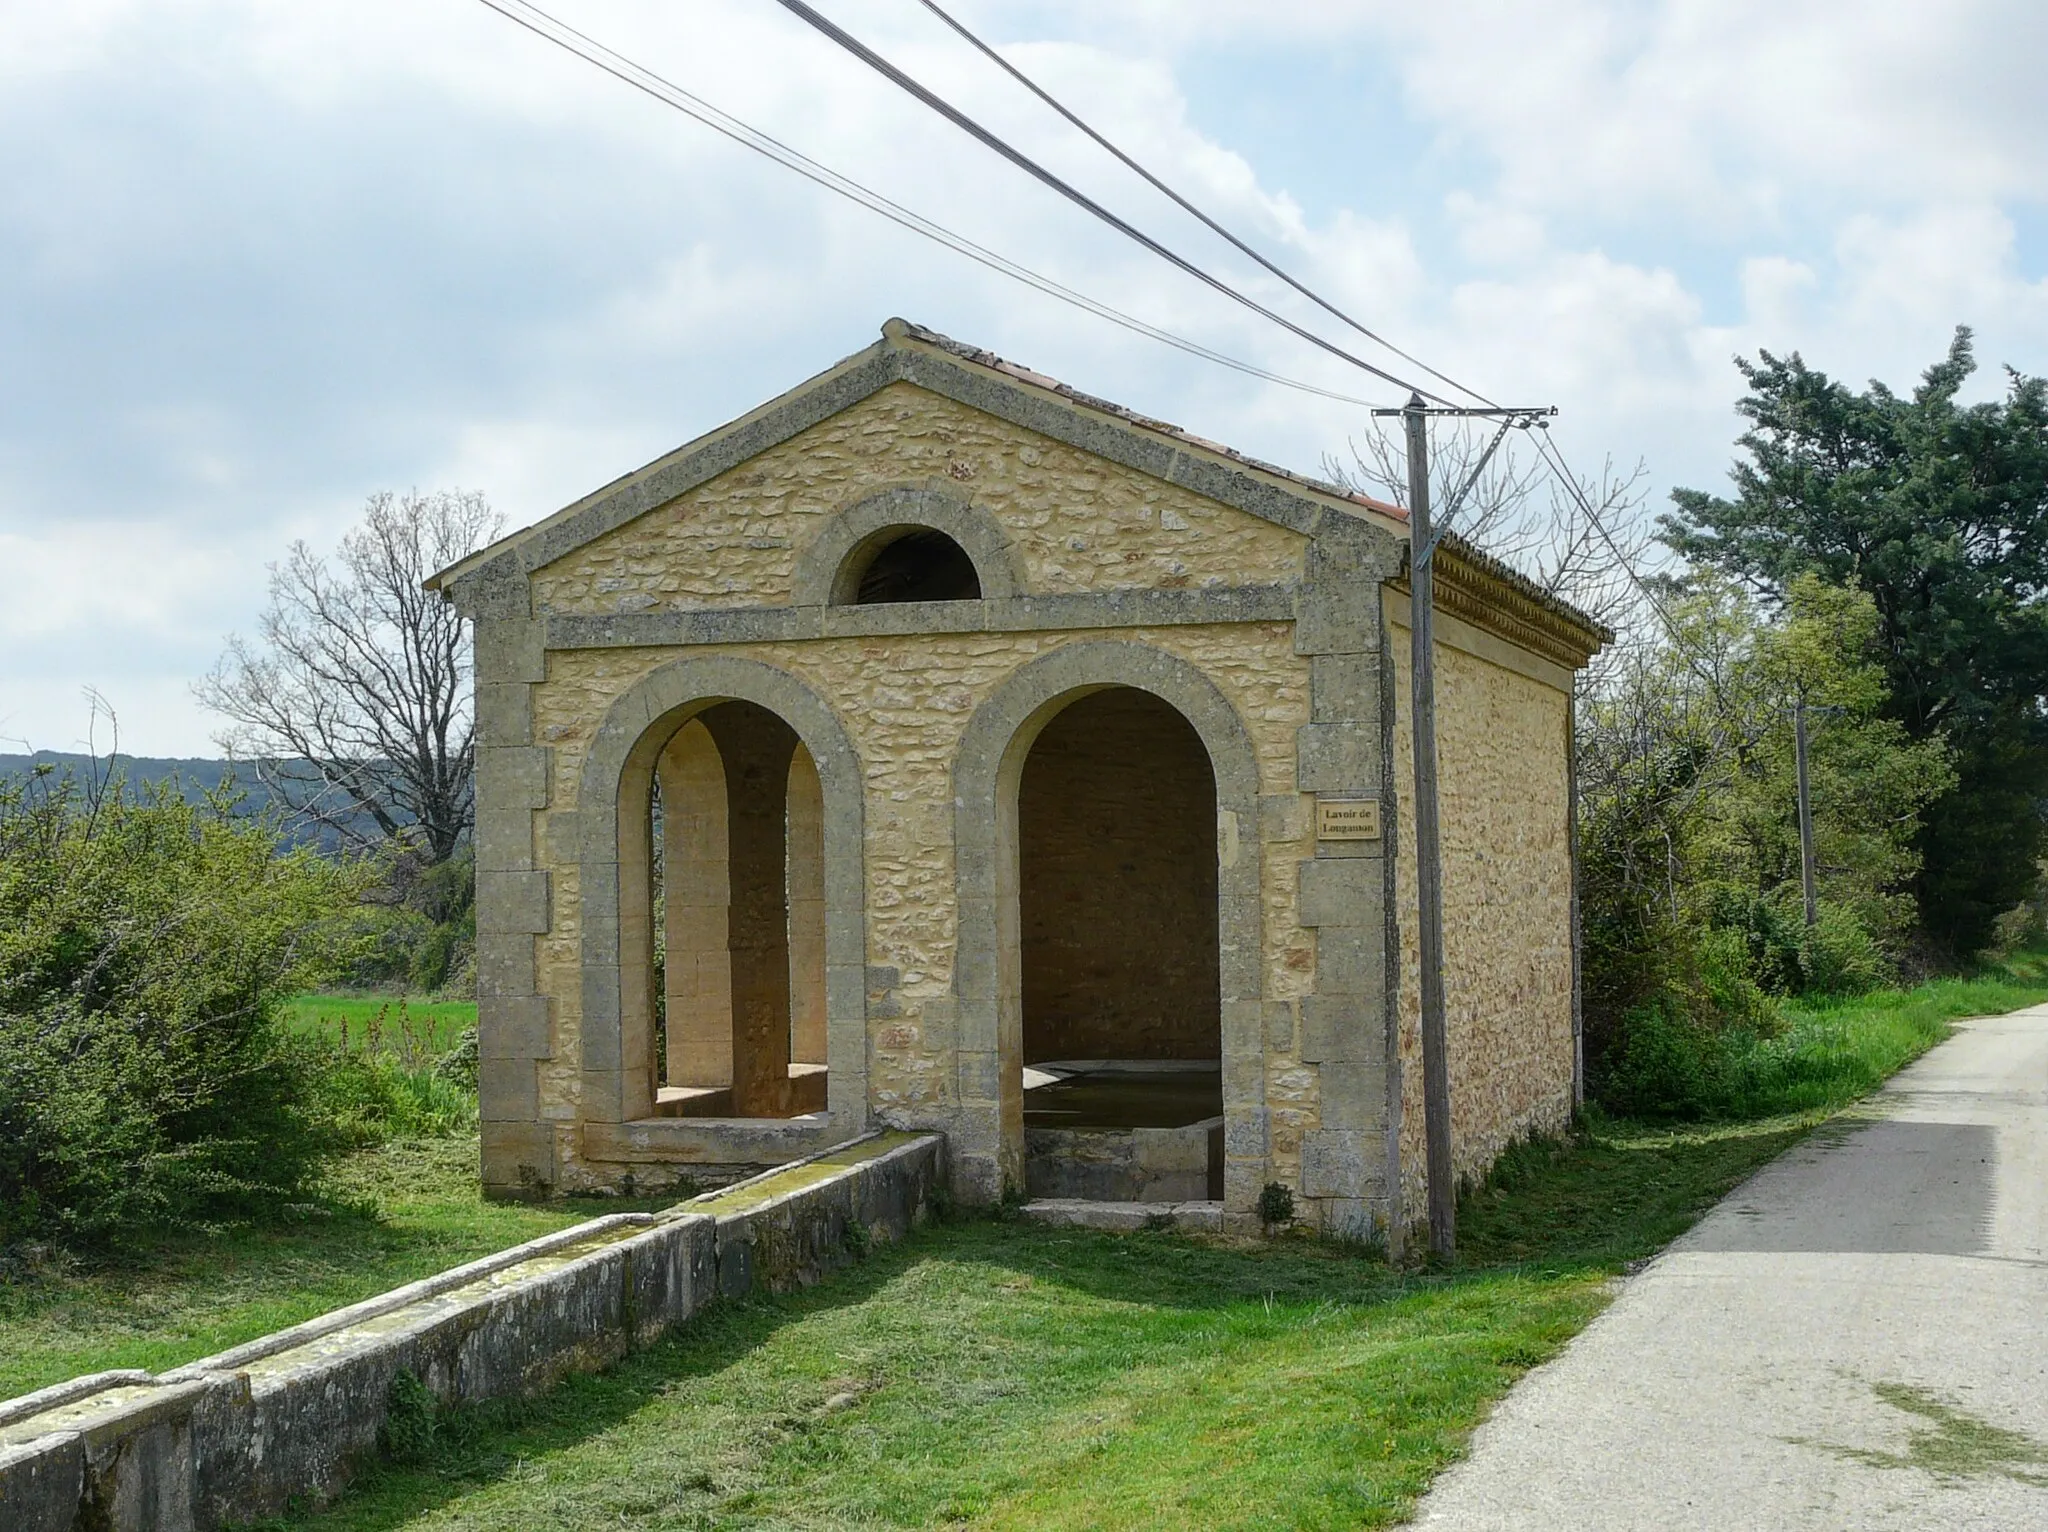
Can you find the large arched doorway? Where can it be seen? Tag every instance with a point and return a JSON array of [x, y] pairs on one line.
[[735, 969], [1118, 946]]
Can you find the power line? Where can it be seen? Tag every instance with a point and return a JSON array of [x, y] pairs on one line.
[[1073, 194], [1184, 204], [668, 93], [1547, 448]]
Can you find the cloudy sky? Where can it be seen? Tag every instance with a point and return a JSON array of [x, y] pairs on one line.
[[260, 258]]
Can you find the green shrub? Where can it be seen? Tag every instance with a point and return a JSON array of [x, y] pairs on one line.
[[1770, 931], [458, 1066], [1839, 956], [436, 957], [426, 950], [1276, 1203], [1665, 1064], [373, 946], [411, 1419], [145, 943], [1722, 986], [366, 1097]]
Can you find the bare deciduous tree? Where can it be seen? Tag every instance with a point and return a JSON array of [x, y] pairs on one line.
[[1520, 513], [353, 704]]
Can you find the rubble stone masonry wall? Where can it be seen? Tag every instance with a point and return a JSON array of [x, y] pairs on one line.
[[1078, 523], [1502, 716], [905, 701], [1264, 630]]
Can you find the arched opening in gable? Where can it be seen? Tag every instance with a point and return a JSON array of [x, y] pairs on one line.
[[908, 564]]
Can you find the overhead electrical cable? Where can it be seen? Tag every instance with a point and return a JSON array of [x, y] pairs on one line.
[[668, 93], [1553, 455], [1547, 447], [1184, 204], [867, 55], [550, 28], [860, 50]]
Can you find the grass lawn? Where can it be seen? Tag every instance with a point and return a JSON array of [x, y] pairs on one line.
[[1003, 1376], [389, 1216], [432, 1025], [1832, 1053], [990, 1373], [1007, 1376]]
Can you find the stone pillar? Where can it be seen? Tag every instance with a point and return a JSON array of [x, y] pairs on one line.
[[1350, 1025], [699, 966], [513, 895], [806, 875], [756, 747]]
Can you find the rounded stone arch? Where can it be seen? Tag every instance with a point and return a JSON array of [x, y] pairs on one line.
[[987, 969], [831, 564], [620, 764]]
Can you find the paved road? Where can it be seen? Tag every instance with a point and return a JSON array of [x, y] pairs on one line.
[[1856, 1338]]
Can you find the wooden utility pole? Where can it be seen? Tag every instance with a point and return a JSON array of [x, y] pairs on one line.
[[1429, 873], [1429, 886], [1805, 812]]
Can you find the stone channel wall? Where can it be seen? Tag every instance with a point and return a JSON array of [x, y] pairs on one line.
[[235, 1437]]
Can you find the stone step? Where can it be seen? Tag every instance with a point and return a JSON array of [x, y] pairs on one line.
[[1125, 1217]]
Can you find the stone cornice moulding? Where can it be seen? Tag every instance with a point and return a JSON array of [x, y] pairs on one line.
[[1467, 589]]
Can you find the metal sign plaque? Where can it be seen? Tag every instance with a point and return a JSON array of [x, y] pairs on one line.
[[1347, 819]]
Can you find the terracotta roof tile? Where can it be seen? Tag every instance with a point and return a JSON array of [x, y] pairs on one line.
[[1123, 412], [1466, 551]]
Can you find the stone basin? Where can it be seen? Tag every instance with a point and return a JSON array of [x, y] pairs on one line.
[[1124, 1130]]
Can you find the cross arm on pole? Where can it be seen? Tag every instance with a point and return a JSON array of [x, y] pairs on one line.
[[1519, 418]]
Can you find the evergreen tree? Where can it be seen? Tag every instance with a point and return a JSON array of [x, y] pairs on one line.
[[1939, 511]]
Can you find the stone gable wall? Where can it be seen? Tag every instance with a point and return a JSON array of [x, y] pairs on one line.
[[1096, 574], [1079, 523]]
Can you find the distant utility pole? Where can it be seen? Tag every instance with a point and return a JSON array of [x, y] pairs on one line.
[[1805, 811], [1429, 873]]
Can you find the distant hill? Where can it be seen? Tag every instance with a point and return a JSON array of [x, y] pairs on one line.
[[195, 776]]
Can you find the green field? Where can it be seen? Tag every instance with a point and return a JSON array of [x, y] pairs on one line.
[[395, 1022], [985, 1372]]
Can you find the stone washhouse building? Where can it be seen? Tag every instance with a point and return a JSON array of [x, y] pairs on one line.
[[939, 747]]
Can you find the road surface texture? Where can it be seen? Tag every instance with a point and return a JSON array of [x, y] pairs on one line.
[[1855, 1338]]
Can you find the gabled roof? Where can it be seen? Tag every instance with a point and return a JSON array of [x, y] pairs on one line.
[[986, 382], [980, 379]]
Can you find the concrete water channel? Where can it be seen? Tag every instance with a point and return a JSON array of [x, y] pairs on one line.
[[237, 1436]]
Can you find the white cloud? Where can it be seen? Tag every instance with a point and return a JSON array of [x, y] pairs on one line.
[[271, 255]]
